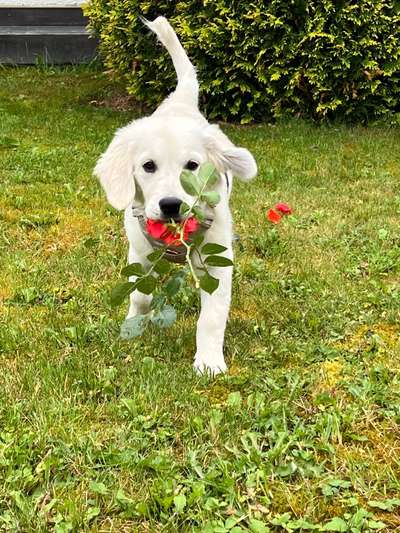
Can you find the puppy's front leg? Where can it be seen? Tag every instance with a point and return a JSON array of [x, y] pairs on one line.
[[212, 322], [139, 302]]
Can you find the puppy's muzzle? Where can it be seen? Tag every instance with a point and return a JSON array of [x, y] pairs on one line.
[[169, 207]]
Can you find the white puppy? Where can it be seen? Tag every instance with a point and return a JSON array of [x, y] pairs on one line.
[[143, 164]]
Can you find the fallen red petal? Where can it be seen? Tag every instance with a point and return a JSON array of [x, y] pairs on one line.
[[283, 208], [273, 216]]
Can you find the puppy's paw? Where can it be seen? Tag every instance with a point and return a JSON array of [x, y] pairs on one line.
[[209, 365]]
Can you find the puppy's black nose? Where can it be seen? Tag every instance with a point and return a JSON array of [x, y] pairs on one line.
[[170, 206]]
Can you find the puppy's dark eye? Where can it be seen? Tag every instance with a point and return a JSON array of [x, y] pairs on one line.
[[150, 166], [191, 165]]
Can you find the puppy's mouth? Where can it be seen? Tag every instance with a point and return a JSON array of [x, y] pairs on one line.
[[172, 233]]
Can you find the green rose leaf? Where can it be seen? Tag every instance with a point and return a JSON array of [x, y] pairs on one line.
[[184, 209], [146, 285], [207, 175], [190, 183], [165, 317], [212, 248], [208, 283], [199, 213], [174, 284], [120, 292], [212, 198], [198, 240], [219, 261], [162, 266], [133, 327], [134, 269], [154, 256]]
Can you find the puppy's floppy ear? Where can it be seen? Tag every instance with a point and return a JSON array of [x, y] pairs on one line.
[[226, 156], [115, 169]]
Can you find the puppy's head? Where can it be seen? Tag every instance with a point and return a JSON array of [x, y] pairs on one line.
[[145, 159]]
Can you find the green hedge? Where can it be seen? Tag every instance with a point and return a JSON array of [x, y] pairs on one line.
[[258, 60]]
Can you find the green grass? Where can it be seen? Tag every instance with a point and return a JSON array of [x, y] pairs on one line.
[[97, 434]]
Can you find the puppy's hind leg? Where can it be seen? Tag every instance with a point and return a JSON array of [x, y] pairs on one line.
[[187, 90]]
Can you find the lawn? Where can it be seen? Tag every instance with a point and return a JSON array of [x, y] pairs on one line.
[[100, 434]]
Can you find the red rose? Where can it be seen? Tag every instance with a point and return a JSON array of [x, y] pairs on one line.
[[171, 238], [273, 216], [155, 228], [191, 226], [285, 209], [159, 230]]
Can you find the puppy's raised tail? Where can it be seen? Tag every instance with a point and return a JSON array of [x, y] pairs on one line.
[[187, 89]]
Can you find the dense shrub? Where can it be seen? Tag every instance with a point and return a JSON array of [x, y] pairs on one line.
[[265, 58]]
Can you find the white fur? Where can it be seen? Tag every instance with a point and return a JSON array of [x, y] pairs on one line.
[[174, 134]]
